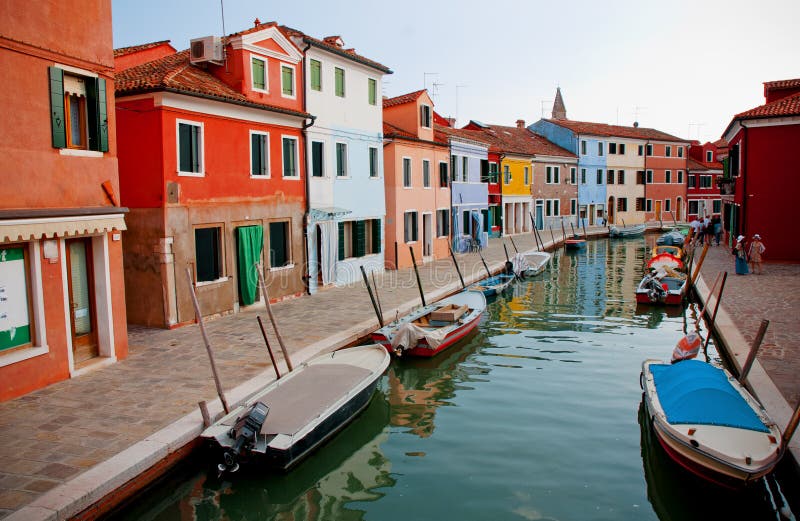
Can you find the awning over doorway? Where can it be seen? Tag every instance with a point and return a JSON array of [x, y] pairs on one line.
[[327, 213], [50, 223]]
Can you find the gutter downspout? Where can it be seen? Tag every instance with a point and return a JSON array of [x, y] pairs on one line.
[[307, 216], [743, 149], [501, 181]]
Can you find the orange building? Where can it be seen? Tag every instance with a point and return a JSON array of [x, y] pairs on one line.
[[665, 165], [212, 168], [62, 299]]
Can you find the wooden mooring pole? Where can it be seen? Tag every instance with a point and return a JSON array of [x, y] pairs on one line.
[[269, 348], [512, 244], [416, 272], [535, 232], [455, 263], [751, 356], [272, 318], [199, 316], [716, 308], [372, 297], [489, 273], [791, 426], [552, 237]]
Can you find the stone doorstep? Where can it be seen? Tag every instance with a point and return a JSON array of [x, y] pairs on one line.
[[86, 489], [763, 387]]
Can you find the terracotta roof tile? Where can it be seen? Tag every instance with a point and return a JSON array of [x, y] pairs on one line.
[[122, 51], [175, 73], [789, 106], [521, 141], [782, 84], [400, 100], [346, 53], [720, 143], [693, 164], [442, 133], [603, 129], [392, 131]]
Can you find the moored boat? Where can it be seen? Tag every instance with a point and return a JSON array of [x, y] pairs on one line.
[[708, 423], [288, 418], [575, 243], [493, 285], [633, 230], [431, 329], [666, 257], [673, 237], [663, 286], [531, 263]]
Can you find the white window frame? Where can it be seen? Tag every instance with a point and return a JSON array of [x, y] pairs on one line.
[[429, 118], [709, 156], [407, 161], [311, 159], [292, 68], [415, 235], [201, 151], [667, 176], [600, 148], [296, 157], [336, 161], [679, 177], [465, 168], [573, 175], [527, 173], [38, 345], [253, 87], [667, 205], [679, 150], [250, 146], [377, 163], [648, 205], [439, 221], [667, 150], [648, 177], [426, 180], [573, 206]]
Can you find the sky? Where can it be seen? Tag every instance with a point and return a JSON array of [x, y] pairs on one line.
[[682, 67]]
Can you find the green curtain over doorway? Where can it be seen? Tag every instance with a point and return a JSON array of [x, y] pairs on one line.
[[250, 241]]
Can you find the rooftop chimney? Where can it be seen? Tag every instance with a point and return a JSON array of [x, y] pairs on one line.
[[635, 124], [451, 122], [520, 123], [256, 22], [336, 41]]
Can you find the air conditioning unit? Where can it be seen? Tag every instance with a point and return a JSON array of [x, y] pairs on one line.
[[206, 49]]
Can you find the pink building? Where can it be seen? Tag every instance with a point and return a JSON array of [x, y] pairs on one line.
[[416, 179], [702, 192]]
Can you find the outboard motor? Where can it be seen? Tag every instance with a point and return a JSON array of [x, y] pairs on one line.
[[244, 432]]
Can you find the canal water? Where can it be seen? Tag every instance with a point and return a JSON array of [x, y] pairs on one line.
[[537, 416]]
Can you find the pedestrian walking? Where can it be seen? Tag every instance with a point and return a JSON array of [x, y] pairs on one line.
[[755, 251], [697, 230], [716, 222], [706, 230], [741, 256]]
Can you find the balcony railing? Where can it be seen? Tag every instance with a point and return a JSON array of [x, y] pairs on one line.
[[726, 186]]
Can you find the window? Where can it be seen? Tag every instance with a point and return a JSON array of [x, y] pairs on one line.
[[622, 204], [442, 223], [680, 176], [573, 175], [693, 207], [75, 112], [552, 175], [573, 206], [290, 157], [426, 173], [279, 255], [612, 148], [410, 227], [680, 151], [640, 204], [317, 159], [345, 240], [528, 175], [287, 81], [465, 168], [548, 207], [620, 177], [258, 72], [259, 153], [17, 328], [709, 156], [359, 238], [667, 176], [407, 172], [339, 76], [453, 165], [494, 173], [443, 174], [622, 148], [667, 205], [610, 176], [506, 174], [373, 162], [425, 116], [649, 177], [583, 176], [341, 159], [556, 207], [190, 146], [208, 253], [690, 181], [648, 205], [640, 150], [583, 148], [668, 151], [705, 181], [374, 235], [649, 149], [599, 148], [372, 91], [716, 206], [640, 179], [599, 176], [316, 75]]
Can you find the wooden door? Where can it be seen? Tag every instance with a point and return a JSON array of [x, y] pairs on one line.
[[658, 210], [83, 318]]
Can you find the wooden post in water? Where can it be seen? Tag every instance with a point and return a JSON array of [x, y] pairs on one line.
[[791, 426], [573, 229], [535, 232], [716, 308], [563, 231], [199, 316], [269, 348], [377, 295], [505, 249], [416, 272], [512, 244], [458, 270], [585, 235], [272, 318], [489, 273], [674, 222], [205, 414], [541, 240], [372, 297], [751, 356], [710, 294], [552, 237]]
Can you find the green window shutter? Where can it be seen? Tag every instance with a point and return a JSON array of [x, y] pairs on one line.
[[287, 81], [57, 117], [97, 124], [289, 167], [359, 238], [340, 82], [316, 75], [259, 80], [341, 241], [373, 91], [102, 115], [376, 235]]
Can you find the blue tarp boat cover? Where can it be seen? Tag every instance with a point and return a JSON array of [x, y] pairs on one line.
[[695, 392]]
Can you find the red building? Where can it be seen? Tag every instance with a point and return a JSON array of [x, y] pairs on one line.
[[62, 297], [761, 170], [702, 190], [665, 165], [212, 168]]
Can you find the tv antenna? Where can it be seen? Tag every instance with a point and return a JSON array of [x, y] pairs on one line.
[[689, 130], [435, 90], [425, 78], [543, 103], [636, 111]]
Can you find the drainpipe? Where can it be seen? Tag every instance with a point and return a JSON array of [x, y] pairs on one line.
[[304, 137], [501, 181], [743, 148]]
